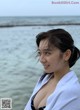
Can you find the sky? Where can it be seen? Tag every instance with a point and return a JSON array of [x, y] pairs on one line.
[[39, 7]]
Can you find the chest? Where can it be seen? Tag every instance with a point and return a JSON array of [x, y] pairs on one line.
[[42, 95]]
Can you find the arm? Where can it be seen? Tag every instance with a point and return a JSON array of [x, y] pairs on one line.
[[67, 102]]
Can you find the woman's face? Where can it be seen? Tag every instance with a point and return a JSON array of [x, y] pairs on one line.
[[51, 58]]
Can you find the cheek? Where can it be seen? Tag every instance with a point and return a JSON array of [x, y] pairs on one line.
[[56, 61], [52, 61]]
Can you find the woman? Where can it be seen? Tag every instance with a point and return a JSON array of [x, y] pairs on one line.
[[58, 88]]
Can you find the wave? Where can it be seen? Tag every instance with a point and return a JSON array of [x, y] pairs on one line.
[[38, 21], [48, 24]]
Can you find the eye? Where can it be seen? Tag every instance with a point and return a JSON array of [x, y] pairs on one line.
[[47, 53], [39, 53]]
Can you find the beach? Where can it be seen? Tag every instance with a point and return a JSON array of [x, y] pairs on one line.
[[19, 67]]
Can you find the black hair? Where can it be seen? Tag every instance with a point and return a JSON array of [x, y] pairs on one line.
[[62, 40]]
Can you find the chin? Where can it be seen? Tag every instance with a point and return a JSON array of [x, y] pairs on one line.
[[48, 71]]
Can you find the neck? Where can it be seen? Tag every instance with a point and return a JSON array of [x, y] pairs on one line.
[[59, 74]]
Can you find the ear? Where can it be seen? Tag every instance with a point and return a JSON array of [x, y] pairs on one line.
[[67, 54]]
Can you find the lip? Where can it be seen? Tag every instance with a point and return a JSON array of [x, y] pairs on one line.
[[46, 66]]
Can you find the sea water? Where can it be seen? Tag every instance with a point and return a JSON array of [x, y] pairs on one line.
[[19, 67]]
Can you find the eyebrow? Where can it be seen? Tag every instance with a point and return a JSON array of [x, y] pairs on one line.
[[45, 49]]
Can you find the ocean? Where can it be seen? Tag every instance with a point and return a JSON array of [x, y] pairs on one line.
[[19, 67]]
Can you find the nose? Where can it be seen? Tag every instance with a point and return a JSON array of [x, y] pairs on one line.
[[42, 59]]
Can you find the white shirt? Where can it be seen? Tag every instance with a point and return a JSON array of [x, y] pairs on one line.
[[66, 95]]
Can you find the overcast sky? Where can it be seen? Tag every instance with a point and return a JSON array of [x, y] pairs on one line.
[[38, 8]]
